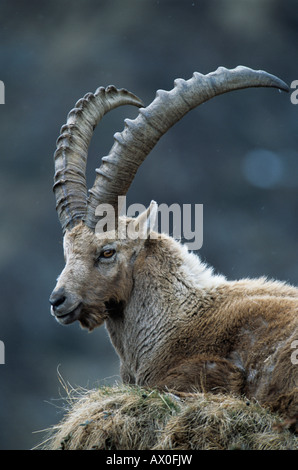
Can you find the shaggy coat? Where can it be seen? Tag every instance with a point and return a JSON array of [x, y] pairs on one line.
[[177, 325]]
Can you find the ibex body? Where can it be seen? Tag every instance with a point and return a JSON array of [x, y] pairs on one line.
[[173, 322]]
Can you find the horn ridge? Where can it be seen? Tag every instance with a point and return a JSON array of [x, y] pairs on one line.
[[71, 152]]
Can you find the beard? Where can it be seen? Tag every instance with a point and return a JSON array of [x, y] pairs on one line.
[[92, 317]]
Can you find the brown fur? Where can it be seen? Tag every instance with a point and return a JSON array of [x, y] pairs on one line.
[[176, 325]]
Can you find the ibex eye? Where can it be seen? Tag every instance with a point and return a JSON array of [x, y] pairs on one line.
[[107, 253]]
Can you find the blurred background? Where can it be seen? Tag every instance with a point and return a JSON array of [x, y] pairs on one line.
[[237, 155]]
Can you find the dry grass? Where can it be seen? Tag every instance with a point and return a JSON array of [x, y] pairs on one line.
[[131, 418]]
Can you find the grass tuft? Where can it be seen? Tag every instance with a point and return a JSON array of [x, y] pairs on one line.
[[131, 418]]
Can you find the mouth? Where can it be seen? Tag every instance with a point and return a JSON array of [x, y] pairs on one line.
[[65, 318]]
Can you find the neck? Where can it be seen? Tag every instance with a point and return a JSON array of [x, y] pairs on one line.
[[165, 276]]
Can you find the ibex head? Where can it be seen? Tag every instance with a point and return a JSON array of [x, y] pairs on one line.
[[98, 277]]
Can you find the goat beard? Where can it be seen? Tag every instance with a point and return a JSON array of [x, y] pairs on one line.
[[91, 318]]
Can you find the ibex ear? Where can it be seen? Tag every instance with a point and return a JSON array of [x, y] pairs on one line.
[[145, 223]]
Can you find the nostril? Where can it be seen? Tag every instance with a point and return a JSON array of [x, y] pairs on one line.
[[57, 298], [58, 301]]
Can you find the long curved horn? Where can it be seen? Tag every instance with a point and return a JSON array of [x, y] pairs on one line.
[[72, 149], [140, 135]]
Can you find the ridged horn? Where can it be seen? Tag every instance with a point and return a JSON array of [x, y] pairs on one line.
[[140, 135], [72, 149]]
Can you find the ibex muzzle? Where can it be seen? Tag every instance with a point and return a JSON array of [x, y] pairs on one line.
[[65, 306]]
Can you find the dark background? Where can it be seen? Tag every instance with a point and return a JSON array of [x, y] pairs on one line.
[[237, 155]]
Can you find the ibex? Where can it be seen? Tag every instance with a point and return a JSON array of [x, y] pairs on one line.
[[173, 322]]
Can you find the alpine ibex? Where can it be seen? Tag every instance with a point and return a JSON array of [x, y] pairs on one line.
[[173, 322]]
